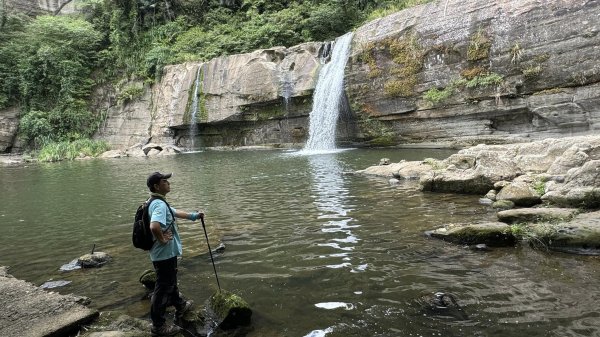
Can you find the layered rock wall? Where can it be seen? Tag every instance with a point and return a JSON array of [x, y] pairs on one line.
[[458, 72], [481, 70]]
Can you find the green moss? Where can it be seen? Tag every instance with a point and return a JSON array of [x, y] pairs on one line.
[[398, 87], [375, 131], [482, 80], [532, 71], [479, 46], [401, 59], [516, 53], [539, 187], [435, 96], [382, 141], [230, 309], [471, 73]]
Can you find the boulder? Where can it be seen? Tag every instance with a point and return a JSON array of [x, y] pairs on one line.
[[476, 170], [150, 146], [540, 214], [112, 154], [94, 260], [230, 309], [580, 189], [520, 193], [503, 204], [580, 235], [493, 234], [148, 279]]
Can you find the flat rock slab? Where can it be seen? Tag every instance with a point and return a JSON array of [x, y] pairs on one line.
[[29, 311], [537, 214], [493, 234]]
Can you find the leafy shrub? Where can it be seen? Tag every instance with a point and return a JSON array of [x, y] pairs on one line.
[[69, 150]]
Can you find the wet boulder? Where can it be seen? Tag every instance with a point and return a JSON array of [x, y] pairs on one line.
[[520, 193], [94, 260], [493, 234], [148, 279], [231, 310]]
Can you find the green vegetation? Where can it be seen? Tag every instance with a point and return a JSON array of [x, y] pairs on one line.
[[479, 47], [56, 151], [516, 53], [130, 93], [394, 6], [402, 59], [434, 95], [49, 65], [481, 80]]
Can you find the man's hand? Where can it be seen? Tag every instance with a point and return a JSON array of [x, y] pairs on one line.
[[167, 236]]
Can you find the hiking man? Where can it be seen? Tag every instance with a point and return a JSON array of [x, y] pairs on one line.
[[164, 253]]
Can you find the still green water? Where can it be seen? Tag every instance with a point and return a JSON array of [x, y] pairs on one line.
[[314, 251]]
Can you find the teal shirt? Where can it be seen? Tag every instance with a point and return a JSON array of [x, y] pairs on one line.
[[159, 213]]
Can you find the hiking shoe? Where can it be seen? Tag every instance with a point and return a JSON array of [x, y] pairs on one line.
[[186, 307], [165, 330]]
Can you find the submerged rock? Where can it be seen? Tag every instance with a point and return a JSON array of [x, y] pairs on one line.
[[73, 265], [54, 284], [441, 304]]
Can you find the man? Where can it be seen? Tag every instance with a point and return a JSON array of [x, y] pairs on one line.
[[164, 253]]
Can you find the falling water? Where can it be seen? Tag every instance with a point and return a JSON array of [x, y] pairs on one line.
[[194, 119], [327, 98]]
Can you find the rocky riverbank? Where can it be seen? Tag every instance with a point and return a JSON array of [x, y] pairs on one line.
[[28, 310], [547, 193]]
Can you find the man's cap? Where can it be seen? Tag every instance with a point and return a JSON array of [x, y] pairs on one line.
[[156, 177]]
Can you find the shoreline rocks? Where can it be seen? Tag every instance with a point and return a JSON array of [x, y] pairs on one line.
[[547, 174]]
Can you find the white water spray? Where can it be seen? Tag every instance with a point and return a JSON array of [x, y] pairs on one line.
[[327, 98]]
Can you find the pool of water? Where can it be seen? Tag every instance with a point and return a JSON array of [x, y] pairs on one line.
[[314, 251]]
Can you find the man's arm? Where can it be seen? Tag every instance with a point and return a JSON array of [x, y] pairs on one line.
[[189, 215]]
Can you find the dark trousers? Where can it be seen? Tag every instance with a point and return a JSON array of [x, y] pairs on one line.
[[165, 291]]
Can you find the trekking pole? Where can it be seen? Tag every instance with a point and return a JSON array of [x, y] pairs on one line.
[[210, 252]]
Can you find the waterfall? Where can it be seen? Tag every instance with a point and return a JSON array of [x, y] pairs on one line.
[[327, 98], [194, 119]]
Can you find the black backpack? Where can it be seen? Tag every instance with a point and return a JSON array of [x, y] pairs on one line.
[[142, 235]]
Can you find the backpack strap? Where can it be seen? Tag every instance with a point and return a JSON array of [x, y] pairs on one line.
[[150, 200]]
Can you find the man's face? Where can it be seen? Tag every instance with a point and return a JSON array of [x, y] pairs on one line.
[[163, 187]]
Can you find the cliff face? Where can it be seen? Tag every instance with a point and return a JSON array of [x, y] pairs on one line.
[[457, 71], [465, 72], [254, 98], [473, 71]]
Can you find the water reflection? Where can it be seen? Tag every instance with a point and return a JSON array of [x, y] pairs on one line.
[[330, 197]]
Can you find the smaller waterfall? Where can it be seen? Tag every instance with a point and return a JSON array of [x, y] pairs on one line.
[[194, 110], [327, 98], [287, 88]]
